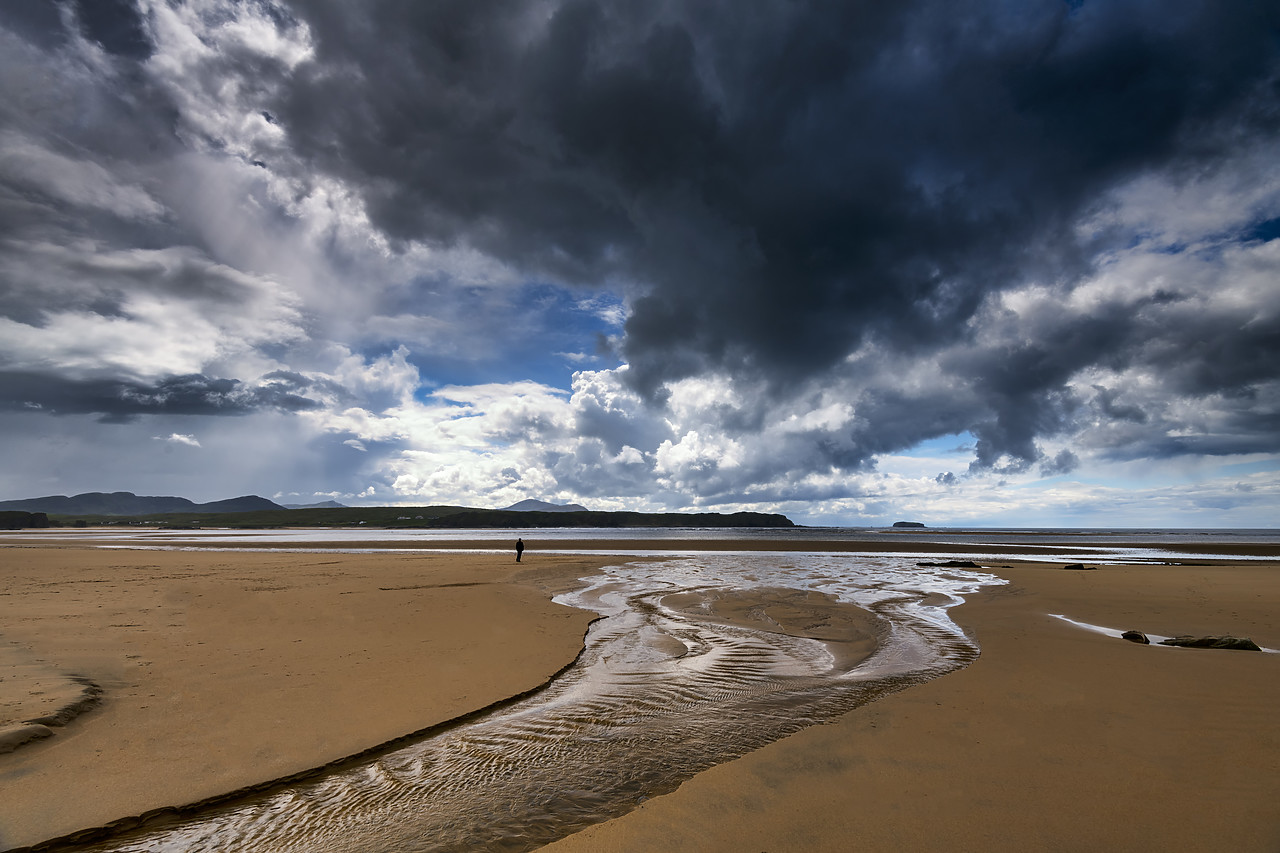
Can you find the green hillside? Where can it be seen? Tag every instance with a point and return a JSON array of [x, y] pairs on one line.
[[430, 517]]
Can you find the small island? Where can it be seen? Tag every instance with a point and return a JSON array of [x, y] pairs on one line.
[[907, 524]]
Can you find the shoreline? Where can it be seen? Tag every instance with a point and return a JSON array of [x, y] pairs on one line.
[[1171, 599], [244, 541]]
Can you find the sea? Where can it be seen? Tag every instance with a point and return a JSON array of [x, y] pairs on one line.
[[1101, 545]]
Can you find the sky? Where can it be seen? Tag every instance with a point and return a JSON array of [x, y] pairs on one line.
[[992, 263]]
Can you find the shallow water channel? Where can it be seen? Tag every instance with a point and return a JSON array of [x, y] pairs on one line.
[[695, 661]]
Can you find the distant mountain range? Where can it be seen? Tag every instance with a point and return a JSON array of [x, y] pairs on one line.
[[542, 506], [127, 503], [252, 511]]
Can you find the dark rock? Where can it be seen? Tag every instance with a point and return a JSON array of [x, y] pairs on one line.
[[951, 564], [1136, 637], [1242, 643], [1080, 567]]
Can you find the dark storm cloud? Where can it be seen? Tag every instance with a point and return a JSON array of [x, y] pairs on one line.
[[783, 183], [39, 23], [112, 110], [1108, 405], [838, 229], [114, 24], [118, 401]]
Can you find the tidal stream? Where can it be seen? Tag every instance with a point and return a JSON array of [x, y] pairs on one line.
[[695, 660]]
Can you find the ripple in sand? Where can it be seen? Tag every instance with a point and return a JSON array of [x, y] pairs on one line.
[[696, 661]]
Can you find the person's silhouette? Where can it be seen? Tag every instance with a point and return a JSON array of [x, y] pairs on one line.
[[519, 549]]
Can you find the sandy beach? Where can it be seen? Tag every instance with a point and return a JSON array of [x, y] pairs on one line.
[[1056, 738], [225, 669]]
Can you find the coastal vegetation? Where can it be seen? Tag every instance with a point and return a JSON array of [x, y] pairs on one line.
[[265, 514]]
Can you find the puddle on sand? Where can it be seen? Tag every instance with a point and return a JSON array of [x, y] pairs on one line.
[[684, 671]]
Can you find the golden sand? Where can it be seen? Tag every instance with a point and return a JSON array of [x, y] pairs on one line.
[[223, 670], [1056, 738]]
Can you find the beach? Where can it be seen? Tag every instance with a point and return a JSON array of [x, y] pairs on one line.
[[1056, 738], [225, 670], [222, 670]]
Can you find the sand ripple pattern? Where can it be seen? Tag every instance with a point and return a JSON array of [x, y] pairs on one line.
[[658, 695]]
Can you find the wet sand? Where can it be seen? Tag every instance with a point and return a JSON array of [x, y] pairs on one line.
[[1056, 738], [223, 670], [903, 542]]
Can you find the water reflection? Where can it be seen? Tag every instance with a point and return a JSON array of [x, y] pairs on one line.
[[696, 660], [1062, 546]]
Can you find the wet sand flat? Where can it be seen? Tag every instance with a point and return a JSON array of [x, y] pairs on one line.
[[225, 669], [1056, 738], [902, 542]]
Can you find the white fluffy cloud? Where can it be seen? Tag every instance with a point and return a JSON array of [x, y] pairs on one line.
[[142, 313], [177, 438]]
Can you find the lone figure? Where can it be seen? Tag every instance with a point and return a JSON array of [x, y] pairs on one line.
[[519, 549]]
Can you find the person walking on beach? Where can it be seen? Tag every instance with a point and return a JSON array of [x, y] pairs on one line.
[[519, 549]]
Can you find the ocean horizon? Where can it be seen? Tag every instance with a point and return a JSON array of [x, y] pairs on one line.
[[1064, 545]]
